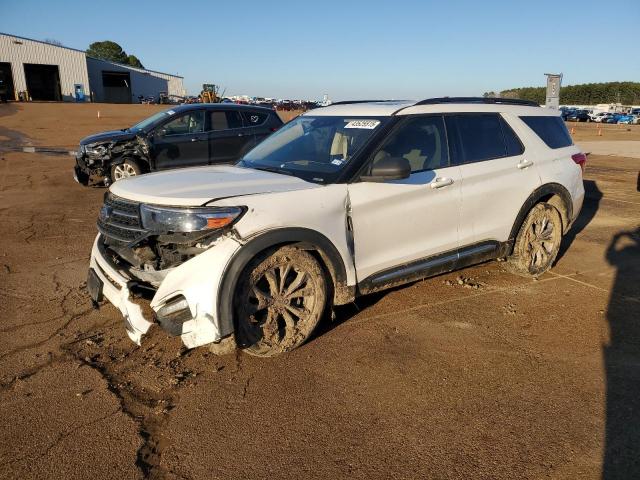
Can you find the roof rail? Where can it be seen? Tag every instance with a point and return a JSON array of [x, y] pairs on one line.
[[489, 100], [346, 102]]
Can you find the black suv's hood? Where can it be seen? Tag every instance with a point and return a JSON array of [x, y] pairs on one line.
[[112, 136]]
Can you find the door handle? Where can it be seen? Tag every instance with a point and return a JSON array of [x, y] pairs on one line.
[[241, 134], [195, 139], [441, 182], [524, 164]]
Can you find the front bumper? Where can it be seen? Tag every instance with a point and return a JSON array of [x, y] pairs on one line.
[[197, 280], [80, 175], [82, 172]]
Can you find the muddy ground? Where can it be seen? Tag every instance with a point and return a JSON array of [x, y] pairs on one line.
[[475, 374]]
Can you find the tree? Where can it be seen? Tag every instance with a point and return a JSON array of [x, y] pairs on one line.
[[107, 50], [134, 61], [53, 41], [112, 52]]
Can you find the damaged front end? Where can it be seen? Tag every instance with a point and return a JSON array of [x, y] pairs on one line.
[[94, 160], [140, 246]]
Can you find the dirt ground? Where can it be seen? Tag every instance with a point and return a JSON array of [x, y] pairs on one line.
[[475, 374]]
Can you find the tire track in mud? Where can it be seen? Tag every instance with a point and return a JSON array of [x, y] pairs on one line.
[[139, 406], [107, 351]]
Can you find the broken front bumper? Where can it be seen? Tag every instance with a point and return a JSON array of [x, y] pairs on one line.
[[197, 281]]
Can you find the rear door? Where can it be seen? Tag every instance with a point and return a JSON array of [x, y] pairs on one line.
[[498, 175], [181, 142], [227, 136], [399, 222], [261, 123]]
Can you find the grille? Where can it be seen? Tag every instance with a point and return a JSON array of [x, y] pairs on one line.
[[120, 219]]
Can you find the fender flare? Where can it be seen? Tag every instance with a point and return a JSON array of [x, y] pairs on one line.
[[308, 239], [538, 194]]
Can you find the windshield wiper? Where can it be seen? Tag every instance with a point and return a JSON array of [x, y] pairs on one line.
[[274, 170]]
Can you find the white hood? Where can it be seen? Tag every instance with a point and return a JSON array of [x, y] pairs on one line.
[[200, 185]]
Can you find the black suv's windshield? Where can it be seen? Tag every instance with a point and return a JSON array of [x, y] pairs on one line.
[[152, 120], [315, 149]]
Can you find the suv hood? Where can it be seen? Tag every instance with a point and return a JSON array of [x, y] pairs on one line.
[[198, 186], [110, 136]]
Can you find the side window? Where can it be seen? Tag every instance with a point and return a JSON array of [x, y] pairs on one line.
[[480, 136], [421, 140], [192, 122], [511, 140], [253, 119], [225, 119], [551, 130]]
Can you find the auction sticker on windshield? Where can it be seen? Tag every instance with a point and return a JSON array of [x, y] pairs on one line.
[[368, 124]]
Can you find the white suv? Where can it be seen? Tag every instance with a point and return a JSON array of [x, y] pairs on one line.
[[342, 201]]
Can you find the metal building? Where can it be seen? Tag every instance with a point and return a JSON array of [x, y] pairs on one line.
[[46, 72], [35, 70], [115, 83]]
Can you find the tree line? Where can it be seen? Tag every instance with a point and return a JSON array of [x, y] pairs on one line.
[[626, 93]]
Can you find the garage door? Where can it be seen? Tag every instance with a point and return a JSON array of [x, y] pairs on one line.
[[117, 87]]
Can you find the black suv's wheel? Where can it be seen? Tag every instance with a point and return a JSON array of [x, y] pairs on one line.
[[126, 169], [538, 242], [279, 301]]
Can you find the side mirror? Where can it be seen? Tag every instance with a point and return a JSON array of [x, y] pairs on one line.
[[161, 132], [391, 168]]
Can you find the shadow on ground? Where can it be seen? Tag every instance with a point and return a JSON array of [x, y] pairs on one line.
[[622, 360], [592, 197]]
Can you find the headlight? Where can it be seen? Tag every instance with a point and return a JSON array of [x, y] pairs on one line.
[[185, 220], [98, 150]]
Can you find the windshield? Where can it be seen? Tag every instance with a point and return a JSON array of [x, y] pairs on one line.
[[315, 149], [147, 122]]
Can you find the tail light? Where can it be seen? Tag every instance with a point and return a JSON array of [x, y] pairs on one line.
[[580, 159]]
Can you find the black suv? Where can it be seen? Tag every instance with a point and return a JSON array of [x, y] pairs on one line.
[[183, 136]]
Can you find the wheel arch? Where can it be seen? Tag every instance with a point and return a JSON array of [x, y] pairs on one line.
[[120, 158], [310, 240], [554, 194]]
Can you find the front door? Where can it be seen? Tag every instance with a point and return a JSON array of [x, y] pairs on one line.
[[227, 136], [181, 142], [399, 222]]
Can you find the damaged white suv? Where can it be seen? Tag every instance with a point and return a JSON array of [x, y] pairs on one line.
[[342, 201]]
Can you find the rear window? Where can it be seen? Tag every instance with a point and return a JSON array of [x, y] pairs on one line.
[[551, 130], [253, 119], [225, 120], [511, 140], [480, 137]]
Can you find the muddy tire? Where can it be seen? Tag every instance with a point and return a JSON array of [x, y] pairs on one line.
[[538, 242], [280, 299], [126, 169]]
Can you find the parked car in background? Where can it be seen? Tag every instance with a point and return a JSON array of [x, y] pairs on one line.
[[597, 116], [578, 116], [343, 201], [566, 113], [604, 117], [183, 136], [625, 118]]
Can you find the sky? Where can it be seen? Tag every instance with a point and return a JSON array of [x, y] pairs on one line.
[[352, 49]]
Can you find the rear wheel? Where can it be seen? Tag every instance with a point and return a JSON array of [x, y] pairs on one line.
[[538, 242], [126, 169], [279, 301]]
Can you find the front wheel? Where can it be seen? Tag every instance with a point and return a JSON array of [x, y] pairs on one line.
[[126, 169], [279, 301], [538, 242]]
